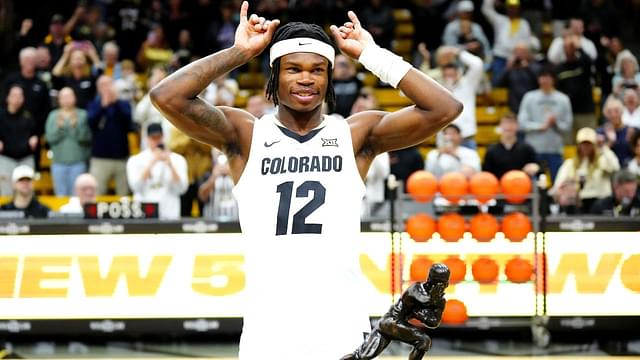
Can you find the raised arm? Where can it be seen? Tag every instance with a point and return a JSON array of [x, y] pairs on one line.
[[377, 132], [177, 96]]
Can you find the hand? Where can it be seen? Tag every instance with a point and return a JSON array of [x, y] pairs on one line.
[[254, 34], [351, 37], [1, 146], [33, 142], [26, 26], [551, 119], [426, 55], [531, 169]]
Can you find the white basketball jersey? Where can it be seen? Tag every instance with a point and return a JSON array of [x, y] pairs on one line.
[[299, 200]]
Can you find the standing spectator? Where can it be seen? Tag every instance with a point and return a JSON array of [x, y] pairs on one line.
[[376, 185], [57, 38], [44, 66], [605, 65], [155, 49], [545, 116], [626, 75], [556, 53], [111, 60], [69, 136], [377, 17], [634, 164], [18, 139], [158, 175], [614, 134], [508, 31], [84, 189], [224, 29], [127, 84], [625, 199], [631, 113], [450, 156], [520, 76], [600, 19], [405, 162], [466, 34], [75, 69], [589, 171], [257, 105], [346, 85], [24, 198], [510, 153], [110, 123], [464, 87], [216, 192], [428, 23], [222, 91], [145, 113]]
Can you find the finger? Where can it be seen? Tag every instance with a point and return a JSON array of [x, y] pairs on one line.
[[348, 24], [243, 11], [253, 19], [271, 27], [354, 19], [337, 35]]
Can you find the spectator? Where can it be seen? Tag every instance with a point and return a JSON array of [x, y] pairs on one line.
[[158, 175], [222, 91], [508, 31], [466, 34], [43, 65], [216, 192], [366, 101], [18, 139], [614, 134], [155, 49], [24, 198], [626, 75], [451, 156], [631, 113], [520, 76], [605, 65], [375, 185], [589, 171], [110, 123], [600, 19], [146, 114], [57, 38], [545, 116], [464, 87], [405, 162], [510, 153], [346, 84], [110, 60], [69, 136], [575, 79], [428, 23], [127, 84], [625, 199], [226, 27], [257, 105], [377, 18], [84, 189], [75, 71], [556, 53], [634, 164]]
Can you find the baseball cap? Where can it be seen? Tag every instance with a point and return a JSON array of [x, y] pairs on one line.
[[154, 129], [465, 6], [587, 134], [513, 2], [57, 19], [21, 172]]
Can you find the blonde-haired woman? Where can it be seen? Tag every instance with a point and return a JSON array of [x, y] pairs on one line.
[[586, 177], [69, 136], [78, 68]]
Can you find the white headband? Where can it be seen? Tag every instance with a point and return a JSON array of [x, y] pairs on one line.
[[303, 44]]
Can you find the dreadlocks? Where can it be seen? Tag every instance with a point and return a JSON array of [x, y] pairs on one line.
[[294, 30]]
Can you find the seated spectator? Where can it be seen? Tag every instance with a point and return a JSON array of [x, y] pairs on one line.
[[346, 84], [145, 113], [508, 30], [631, 113], [634, 164], [24, 198], [366, 101], [464, 87], [155, 50], [466, 34], [216, 192], [556, 54], [110, 123], [75, 69], [613, 133], [158, 175], [257, 105], [84, 189], [545, 116], [111, 60], [18, 139], [625, 199], [222, 91], [520, 76], [510, 153], [589, 171], [451, 156], [627, 74], [69, 136]]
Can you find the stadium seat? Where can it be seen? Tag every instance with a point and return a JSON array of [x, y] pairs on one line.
[[490, 114], [404, 30], [487, 135], [388, 98], [43, 184], [401, 15], [252, 80]]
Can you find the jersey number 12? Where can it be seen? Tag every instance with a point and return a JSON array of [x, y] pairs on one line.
[[300, 226]]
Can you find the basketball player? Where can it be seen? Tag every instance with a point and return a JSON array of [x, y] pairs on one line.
[[298, 176]]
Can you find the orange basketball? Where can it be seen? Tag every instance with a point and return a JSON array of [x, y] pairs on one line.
[[485, 270], [451, 226], [484, 227], [516, 226], [453, 186], [457, 268], [518, 270], [420, 227], [420, 268], [454, 312], [422, 186], [516, 185], [484, 186]]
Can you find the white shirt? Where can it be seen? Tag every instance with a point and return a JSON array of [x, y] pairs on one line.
[[144, 114], [556, 54], [634, 166], [464, 90], [439, 163], [378, 172], [504, 38], [222, 205], [72, 207], [159, 187], [631, 119]]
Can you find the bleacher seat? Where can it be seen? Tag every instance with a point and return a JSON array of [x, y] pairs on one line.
[[391, 98]]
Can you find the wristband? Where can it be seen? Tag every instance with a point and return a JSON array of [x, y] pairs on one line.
[[386, 65]]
